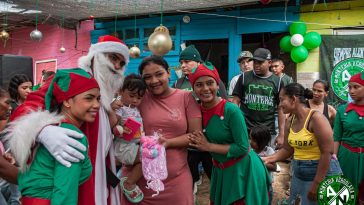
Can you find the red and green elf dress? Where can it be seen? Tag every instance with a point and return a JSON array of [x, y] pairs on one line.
[[239, 174], [349, 131], [48, 179]]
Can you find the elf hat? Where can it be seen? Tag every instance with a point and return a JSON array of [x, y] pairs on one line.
[[358, 78], [190, 53], [204, 69], [68, 83], [105, 44]]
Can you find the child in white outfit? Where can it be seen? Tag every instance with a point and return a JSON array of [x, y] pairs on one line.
[[127, 151]]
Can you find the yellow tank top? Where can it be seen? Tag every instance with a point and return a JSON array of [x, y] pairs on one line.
[[304, 142]]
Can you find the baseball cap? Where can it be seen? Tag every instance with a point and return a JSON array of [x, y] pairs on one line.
[[244, 54], [262, 54]]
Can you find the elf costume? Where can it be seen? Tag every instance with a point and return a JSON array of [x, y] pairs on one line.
[[349, 131], [43, 180], [96, 190], [239, 176]]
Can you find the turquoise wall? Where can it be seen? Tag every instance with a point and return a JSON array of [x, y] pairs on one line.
[[203, 27]]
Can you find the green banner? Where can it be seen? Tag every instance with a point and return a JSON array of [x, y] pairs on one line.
[[340, 58]]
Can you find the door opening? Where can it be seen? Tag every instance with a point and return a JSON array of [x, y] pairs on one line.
[[215, 51]]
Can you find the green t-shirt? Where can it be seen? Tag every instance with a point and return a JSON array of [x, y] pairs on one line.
[[48, 179], [286, 79], [259, 99]]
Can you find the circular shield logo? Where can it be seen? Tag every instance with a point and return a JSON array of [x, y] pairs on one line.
[[342, 73], [336, 190]]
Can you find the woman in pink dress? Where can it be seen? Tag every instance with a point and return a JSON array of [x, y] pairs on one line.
[[173, 113]]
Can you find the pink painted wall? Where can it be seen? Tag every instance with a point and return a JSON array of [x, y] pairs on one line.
[[48, 48]]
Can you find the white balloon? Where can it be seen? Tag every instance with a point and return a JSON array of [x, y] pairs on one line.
[[296, 40]]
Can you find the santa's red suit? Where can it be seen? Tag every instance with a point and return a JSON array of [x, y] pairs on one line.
[[95, 191]]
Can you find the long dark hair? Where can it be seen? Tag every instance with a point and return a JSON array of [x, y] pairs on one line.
[[296, 89], [153, 59], [14, 83]]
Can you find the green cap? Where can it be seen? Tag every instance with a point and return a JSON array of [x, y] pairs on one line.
[[190, 53]]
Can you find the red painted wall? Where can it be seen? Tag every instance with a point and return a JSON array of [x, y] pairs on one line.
[[48, 48]]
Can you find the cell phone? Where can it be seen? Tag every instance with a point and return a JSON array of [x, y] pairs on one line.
[[134, 126]]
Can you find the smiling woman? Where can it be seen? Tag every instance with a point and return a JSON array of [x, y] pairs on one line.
[[173, 113], [19, 87], [75, 96], [235, 166]]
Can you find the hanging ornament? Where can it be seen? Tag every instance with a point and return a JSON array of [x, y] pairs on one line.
[[134, 52], [300, 42], [36, 35], [4, 36], [160, 41], [62, 49], [91, 17]]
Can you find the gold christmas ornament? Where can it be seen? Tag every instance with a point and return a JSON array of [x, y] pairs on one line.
[[4, 36], [36, 35], [62, 49], [160, 41], [134, 52]]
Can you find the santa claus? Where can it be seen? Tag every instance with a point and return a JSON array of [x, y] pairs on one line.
[[106, 60]]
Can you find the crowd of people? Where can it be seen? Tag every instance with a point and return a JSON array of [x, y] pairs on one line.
[[65, 142]]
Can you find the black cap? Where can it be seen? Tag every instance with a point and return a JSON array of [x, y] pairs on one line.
[[262, 54]]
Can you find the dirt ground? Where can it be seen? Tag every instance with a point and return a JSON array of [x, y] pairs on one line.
[[280, 186]]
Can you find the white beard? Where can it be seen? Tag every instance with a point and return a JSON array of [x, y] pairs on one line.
[[109, 82]]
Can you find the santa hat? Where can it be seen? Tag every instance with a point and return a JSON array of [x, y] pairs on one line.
[[358, 78], [68, 83], [105, 44], [204, 69]]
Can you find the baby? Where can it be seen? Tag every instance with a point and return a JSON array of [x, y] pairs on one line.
[[127, 145]]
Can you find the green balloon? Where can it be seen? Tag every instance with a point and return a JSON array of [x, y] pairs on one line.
[[297, 27], [312, 40], [299, 54], [285, 44]]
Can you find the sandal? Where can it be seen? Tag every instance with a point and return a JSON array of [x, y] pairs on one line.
[[134, 196]]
